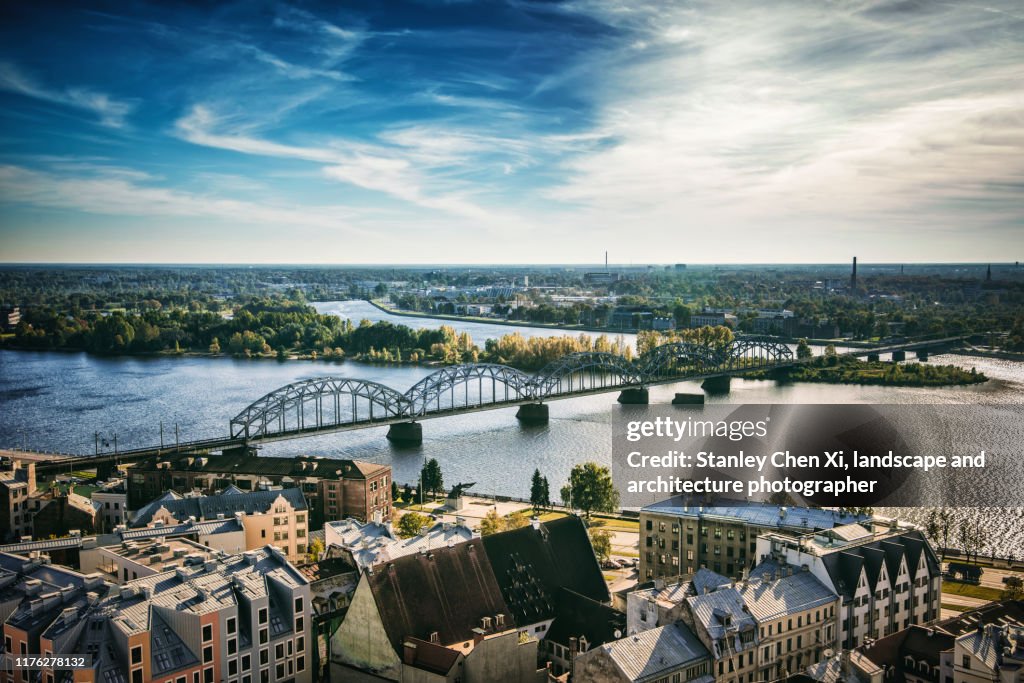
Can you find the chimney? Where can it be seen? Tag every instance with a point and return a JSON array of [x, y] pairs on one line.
[[853, 275], [478, 636], [535, 523]]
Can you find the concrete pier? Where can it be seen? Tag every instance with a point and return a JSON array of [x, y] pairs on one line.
[[922, 354], [406, 434], [873, 358], [899, 355], [688, 399], [719, 384], [533, 413], [636, 397]]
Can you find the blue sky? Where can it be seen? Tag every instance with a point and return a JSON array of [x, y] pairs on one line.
[[485, 132]]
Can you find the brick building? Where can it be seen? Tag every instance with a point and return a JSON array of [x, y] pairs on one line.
[[334, 489]]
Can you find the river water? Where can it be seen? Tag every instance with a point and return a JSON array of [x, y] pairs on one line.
[[61, 401]]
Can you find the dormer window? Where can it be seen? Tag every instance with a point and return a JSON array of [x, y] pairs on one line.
[[435, 637]]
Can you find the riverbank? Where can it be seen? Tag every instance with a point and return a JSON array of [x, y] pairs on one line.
[[493, 321]]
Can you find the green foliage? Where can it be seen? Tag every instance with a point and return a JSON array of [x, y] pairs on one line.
[[803, 350], [431, 477], [493, 523], [540, 493], [601, 539], [590, 489], [411, 524]]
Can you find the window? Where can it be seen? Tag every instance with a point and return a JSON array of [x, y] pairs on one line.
[[263, 615], [207, 654], [232, 667], [967, 661], [246, 662], [232, 624], [300, 664], [264, 636], [207, 633], [300, 624], [137, 654], [208, 675], [137, 676], [279, 651], [280, 671], [264, 656], [300, 644], [232, 646]]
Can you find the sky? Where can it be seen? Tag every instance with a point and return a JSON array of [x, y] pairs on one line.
[[512, 132]]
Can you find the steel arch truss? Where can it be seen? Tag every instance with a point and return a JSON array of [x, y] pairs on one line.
[[757, 352], [318, 403], [467, 386], [578, 372], [678, 359]]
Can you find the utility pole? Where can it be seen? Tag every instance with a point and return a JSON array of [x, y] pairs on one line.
[[96, 436], [161, 434], [176, 440]]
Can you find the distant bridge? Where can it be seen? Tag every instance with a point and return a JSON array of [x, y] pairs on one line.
[[333, 404]]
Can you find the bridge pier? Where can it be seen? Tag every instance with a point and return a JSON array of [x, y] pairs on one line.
[[688, 399], [718, 384], [873, 358], [533, 413], [638, 397], [406, 434], [922, 354], [899, 356], [105, 469]]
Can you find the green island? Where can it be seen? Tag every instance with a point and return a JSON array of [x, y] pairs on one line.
[[834, 369]]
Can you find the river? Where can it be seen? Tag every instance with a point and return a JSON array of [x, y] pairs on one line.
[[61, 401]]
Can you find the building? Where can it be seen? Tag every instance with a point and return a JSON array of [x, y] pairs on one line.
[[486, 605], [33, 594], [667, 653], [437, 616], [112, 500], [275, 515], [365, 545], [59, 511], [136, 559], [707, 319], [333, 489], [17, 484], [962, 649], [796, 616], [232, 618], [886, 576], [677, 538], [723, 623], [10, 316]]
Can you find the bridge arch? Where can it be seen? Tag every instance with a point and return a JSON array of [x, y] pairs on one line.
[[481, 383], [757, 351], [669, 359], [318, 403], [585, 371]]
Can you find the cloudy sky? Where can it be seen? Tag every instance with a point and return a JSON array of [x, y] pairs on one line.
[[518, 131]]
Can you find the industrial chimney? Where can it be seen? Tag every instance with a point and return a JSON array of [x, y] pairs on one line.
[[853, 277]]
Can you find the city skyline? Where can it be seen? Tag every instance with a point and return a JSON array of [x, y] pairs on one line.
[[516, 132]]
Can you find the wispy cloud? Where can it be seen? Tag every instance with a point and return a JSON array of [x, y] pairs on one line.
[[110, 112]]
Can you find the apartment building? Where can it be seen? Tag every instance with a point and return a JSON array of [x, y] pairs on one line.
[[365, 545], [111, 498], [131, 560], [666, 653], [33, 594], [677, 538], [17, 484], [237, 618], [334, 489], [887, 576], [276, 515]]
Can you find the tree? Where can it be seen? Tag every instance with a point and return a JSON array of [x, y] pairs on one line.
[[215, 346], [1014, 588], [431, 477], [590, 489], [601, 539], [394, 490], [803, 350], [411, 524], [407, 494], [315, 549], [938, 527], [537, 491], [491, 523], [546, 495]]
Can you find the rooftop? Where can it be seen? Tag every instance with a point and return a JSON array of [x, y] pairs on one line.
[[302, 466], [222, 505], [755, 514], [650, 655]]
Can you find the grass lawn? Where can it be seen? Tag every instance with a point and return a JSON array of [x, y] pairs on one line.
[[956, 608], [554, 514], [970, 590], [85, 490]]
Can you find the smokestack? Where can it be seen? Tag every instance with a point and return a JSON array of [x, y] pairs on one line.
[[988, 273], [606, 261], [853, 277]]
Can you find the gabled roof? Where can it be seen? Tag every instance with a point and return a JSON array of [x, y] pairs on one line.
[[447, 591], [578, 616], [532, 564], [209, 507], [705, 581], [844, 565], [652, 654]]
